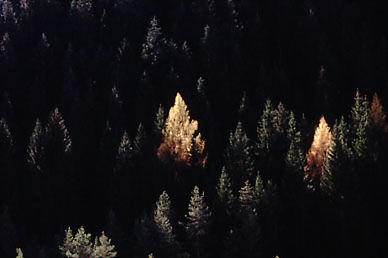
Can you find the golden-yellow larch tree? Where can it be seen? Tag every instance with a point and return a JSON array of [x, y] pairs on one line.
[[181, 141], [377, 114], [318, 151]]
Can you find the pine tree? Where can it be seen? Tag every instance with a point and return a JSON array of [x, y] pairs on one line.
[[144, 240], [238, 155], [318, 151], [159, 122], [259, 189], [280, 118], [103, 248], [360, 121], [162, 220], [140, 138], [246, 197], [264, 128], [225, 192], [151, 47], [180, 140], [35, 149], [197, 221], [57, 142], [77, 245], [124, 153]]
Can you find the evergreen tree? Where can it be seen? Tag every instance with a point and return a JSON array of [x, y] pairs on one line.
[[159, 122], [140, 138], [150, 47], [259, 189], [77, 245], [280, 118], [360, 121], [103, 248], [246, 197], [124, 153], [238, 155], [264, 128], [162, 220], [197, 222], [35, 149], [225, 192]]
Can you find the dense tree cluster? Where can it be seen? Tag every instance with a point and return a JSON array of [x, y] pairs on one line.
[[189, 128]]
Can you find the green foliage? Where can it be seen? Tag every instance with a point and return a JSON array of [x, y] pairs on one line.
[[162, 220], [264, 128], [238, 155], [140, 138], [258, 191], [159, 122], [124, 153], [150, 49], [225, 192], [197, 220], [360, 122]]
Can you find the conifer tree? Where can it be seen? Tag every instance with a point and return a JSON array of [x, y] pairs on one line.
[[238, 155], [35, 149], [378, 117], [162, 220], [77, 245], [144, 241], [124, 153], [225, 192], [150, 47], [197, 221], [280, 118], [360, 121], [57, 141], [180, 138], [103, 248], [140, 138], [259, 189], [159, 122], [264, 129], [318, 151], [246, 197]]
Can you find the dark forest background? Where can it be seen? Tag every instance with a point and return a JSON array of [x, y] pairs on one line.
[[85, 88]]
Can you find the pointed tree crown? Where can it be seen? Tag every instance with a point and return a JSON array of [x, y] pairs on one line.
[[319, 148], [179, 136]]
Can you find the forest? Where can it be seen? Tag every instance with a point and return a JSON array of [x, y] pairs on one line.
[[193, 128]]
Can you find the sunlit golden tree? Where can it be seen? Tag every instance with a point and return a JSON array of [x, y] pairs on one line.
[[318, 151], [181, 143]]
